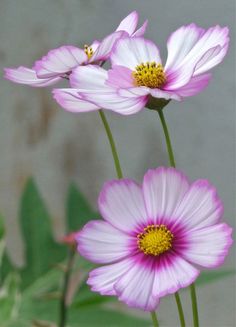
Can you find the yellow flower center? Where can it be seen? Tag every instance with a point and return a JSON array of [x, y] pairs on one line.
[[150, 74], [88, 50], [155, 239]]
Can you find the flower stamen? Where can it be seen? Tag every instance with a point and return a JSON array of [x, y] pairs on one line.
[[155, 239], [149, 74], [88, 50]]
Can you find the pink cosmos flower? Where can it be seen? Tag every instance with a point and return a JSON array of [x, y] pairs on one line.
[[138, 75], [154, 238], [58, 63]]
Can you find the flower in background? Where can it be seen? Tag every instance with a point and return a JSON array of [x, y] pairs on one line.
[[139, 76], [59, 63], [70, 239], [153, 235]]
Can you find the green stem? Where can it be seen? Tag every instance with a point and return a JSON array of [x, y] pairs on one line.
[[63, 306], [194, 305], [172, 164], [167, 137], [180, 309], [154, 319], [112, 144]]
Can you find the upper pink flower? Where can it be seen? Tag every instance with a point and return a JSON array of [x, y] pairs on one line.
[[61, 61], [154, 237], [137, 72]]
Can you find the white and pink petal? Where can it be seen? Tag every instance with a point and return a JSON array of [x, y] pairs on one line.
[[121, 204], [163, 190], [194, 86], [136, 286], [71, 100], [104, 49], [91, 82], [120, 77], [141, 30], [60, 61], [100, 242], [172, 273], [193, 51], [143, 92], [102, 279], [208, 246], [130, 52], [200, 207], [88, 78], [129, 23], [27, 76], [180, 43]]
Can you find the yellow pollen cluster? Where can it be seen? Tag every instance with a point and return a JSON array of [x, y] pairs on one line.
[[150, 74], [155, 239], [88, 50]]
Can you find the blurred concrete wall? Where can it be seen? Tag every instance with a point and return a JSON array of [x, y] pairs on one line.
[[38, 138]]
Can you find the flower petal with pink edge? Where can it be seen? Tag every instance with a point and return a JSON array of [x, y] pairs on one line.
[[200, 207], [180, 43], [129, 23], [100, 242], [88, 78], [194, 86], [141, 31], [120, 77], [121, 204], [208, 246], [178, 78], [60, 61], [193, 51], [102, 279], [172, 273], [210, 59], [71, 100], [163, 190], [135, 287], [27, 76], [140, 91], [104, 49], [130, 52], [111, 100], [91, 84]]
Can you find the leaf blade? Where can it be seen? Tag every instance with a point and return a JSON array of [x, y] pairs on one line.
[[41, 251], [78, 210]]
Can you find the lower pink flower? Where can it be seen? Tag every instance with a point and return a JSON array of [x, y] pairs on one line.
[[154, 237]]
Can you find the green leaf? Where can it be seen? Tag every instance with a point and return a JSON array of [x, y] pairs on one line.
[[104, 317], [41, 251], [35, 304], [207, 277], [86, 297], [5, 263], [2, 228], [9, 298], [78, 210], [2, 242]]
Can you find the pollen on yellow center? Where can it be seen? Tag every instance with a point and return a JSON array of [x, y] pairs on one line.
[[149, 74], [155, 239], [88, 50]]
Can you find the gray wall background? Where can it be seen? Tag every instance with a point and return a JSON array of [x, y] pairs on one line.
[[38, 138]]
